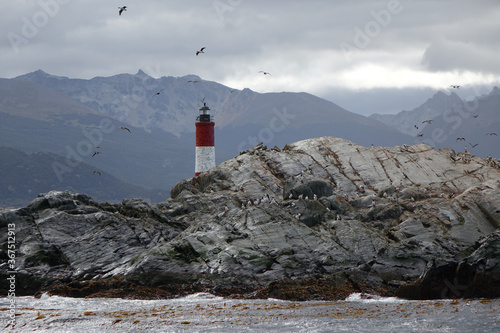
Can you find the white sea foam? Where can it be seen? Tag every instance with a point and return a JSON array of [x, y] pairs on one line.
[[200, 297], [367, 298], [204, 312]]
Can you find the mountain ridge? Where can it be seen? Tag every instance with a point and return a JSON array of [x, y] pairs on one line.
[[171, 104], [408, 121]]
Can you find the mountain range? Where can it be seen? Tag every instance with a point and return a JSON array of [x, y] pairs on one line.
[[80, 121], [243, 118]]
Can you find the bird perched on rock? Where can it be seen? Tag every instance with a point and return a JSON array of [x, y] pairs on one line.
[[201, 50], [122, 9]]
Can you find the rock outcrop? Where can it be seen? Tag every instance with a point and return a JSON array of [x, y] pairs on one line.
[[317, 219]]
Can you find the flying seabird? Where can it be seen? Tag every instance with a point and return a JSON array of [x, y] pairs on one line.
[[96, 153], [265, 73], [455, 86], [420, 135], [200, 51], [476, 116], [125, 129], [415, 126], [460, 139], [473, 146], [96, 173], [122, 9], [491, 134], [427, 121], [158, 92], [193, 81]]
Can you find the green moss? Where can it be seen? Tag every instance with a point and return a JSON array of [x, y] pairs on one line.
[[185, 252], [51, 257], [261, 261], [467, 252], [135, 259]]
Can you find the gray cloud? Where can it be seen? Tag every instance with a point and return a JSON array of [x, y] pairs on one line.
[[446, 55]]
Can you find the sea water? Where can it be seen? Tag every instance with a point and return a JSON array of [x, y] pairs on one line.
[[207, 313]]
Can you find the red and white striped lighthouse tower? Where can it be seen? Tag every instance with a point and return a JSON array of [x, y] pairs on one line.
[[205, 147]]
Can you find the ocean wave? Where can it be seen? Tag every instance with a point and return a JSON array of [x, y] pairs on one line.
[[368, 298]]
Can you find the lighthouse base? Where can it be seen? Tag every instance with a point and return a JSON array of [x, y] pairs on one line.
[[205, 159]]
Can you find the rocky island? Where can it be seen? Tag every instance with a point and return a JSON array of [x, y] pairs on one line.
[[316, 219]]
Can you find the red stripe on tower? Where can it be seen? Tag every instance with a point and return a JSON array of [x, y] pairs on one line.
[[205, 143]]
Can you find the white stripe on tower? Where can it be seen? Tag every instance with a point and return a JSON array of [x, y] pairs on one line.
[[205, 159]]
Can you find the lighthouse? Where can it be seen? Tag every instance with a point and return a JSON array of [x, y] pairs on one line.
[[205, 147]]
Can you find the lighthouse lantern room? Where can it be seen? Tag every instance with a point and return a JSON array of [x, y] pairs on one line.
[[205, 147]]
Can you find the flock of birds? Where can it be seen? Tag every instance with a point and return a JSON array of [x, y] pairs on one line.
[[429, 121], [458, 139], [99, 152]]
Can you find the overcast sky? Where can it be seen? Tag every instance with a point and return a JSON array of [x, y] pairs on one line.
[[365, 55]]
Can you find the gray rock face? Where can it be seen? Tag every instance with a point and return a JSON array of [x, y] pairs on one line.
[[318, 207]]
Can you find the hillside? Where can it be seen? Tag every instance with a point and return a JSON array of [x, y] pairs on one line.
[[24, 175]]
